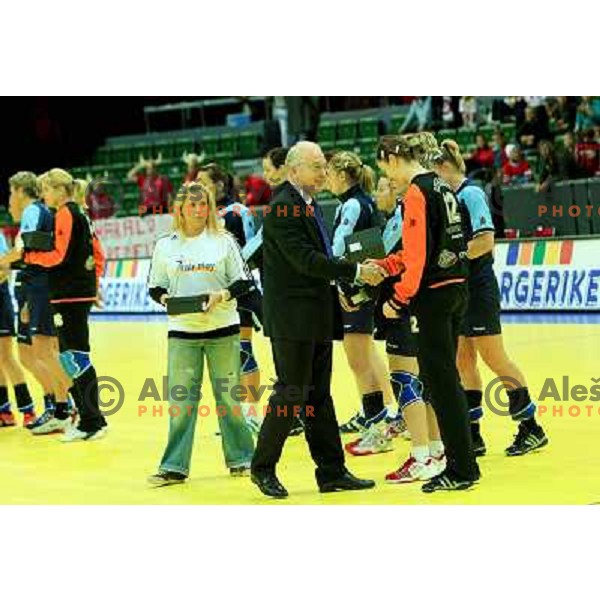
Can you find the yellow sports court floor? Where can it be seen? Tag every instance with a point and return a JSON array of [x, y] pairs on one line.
[[113, 470]]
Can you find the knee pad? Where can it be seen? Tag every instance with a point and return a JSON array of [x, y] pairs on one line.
[[75, 363], [520, 405], [408, 388], [247, 360]]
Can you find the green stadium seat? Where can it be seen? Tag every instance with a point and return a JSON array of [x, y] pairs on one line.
[[123, 154], [346, 130], [509, 130], [225, 159], [145, 148], [348, 144], [487, 131], [368, 128], [396, 122], [464, 137], [368, 147], [326, 132], [210, 145], [103, 155], [328, 146], [445, 134], [182, 145], [166, 148], [229, 143], [249, 144]]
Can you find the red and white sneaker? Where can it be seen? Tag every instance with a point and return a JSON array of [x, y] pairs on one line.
[[7, 419], [412, 471], [29, 419], [375, 440]]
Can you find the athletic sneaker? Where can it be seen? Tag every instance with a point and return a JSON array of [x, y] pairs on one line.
[[375, 440], [48, 423], [74, 434], [412, 471], [478, 442], [438, 464], [355, 425], [528, 439], [164, 478], [29, 419], [239, 471], [396, 425], [447, 482], [7, 419]]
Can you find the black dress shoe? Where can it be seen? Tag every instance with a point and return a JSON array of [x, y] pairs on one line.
[[346, 482], [269, 485]]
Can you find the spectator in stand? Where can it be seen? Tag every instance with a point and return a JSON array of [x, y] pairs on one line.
[[547, 168], [588, 113], [468, 110], [516, 170], [258, 192], [499, 148], [274, 166], [419, 115], [98, 201], [193, 162], [587, 153], [155, 189], [534, 129], [567, 160], [484, 156], [562, 113]]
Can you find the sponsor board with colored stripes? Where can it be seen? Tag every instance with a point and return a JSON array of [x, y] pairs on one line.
[[549, 274]]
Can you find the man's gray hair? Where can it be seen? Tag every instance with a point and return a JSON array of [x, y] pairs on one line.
[[298, 152]]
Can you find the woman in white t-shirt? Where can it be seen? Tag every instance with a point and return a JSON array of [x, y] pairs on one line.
[[200, 258]]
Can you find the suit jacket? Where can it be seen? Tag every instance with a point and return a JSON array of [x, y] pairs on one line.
[[299, 301]]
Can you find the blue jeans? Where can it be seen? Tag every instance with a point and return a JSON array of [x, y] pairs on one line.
[[186, 368]]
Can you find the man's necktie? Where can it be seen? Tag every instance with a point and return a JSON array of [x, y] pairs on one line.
[[320, 221]]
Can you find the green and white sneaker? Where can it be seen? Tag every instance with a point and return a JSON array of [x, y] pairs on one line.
[[74, 434]]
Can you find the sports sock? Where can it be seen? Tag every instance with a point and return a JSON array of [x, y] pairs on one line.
[[24, 399], [420, 453], [436, 448], [4, 401], [372, 404]]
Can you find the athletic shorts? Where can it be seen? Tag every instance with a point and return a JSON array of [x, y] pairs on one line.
[[361, 320], [250, 310], [72, 328], [7, 313], [38, 321], [399, 339], [483, 310]]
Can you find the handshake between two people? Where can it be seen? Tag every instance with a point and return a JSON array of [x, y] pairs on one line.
[[371, 273]]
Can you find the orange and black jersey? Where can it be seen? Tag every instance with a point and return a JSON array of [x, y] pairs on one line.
[[433, 239], [73, 262]]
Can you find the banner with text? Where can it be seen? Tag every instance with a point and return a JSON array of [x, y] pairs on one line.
[[549, 274], [132, 237]]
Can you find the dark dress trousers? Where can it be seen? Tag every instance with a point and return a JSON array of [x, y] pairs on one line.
[[302, 316]]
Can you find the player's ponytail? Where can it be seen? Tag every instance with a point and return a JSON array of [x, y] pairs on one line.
[[451, 154], [356, 172]]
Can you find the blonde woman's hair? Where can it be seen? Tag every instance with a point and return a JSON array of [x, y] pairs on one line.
[[357, 172], [425, 147], [195, 190], [450, 153], [27, 182], [80, 191], [58, 178]]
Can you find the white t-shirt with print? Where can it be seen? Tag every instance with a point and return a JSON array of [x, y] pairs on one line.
[[209, 262]]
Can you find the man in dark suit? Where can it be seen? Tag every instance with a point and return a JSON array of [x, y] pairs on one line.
[[302, 316]]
